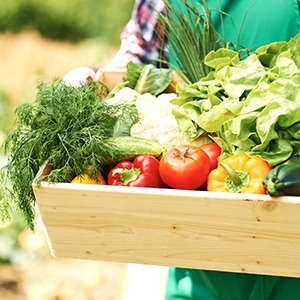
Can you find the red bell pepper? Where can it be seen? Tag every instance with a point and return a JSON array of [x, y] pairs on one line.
[[142, 172]]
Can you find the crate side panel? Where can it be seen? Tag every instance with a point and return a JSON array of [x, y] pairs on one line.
[[253, 236]]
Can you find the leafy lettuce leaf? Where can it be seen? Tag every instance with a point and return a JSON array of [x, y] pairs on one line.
[[146, 78], [251, 105], [221, 57]]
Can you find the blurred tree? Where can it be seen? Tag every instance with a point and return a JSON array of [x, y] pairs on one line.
[[72, 20]]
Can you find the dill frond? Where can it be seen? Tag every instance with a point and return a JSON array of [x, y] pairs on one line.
[[68, 126]]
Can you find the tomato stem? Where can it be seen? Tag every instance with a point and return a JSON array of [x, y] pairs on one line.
[[185, 152]]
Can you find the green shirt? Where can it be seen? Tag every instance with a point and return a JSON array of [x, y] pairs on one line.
[[253, 23], [186, 284], [259, 22]]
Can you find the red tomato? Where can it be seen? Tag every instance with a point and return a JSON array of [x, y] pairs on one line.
[[213, 150], [184, 167]]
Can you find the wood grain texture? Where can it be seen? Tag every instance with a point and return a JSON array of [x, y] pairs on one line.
[[110, 76], [194, 229]]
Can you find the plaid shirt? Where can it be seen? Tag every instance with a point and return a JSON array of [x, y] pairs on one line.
[[141, 40]]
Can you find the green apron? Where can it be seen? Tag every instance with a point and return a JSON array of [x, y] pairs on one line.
[[253, 23], [263, 24], [188, 284]]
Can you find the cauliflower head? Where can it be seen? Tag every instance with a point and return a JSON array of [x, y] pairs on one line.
[[157, 121]]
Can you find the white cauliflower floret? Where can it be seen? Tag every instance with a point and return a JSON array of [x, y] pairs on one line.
[[124, 95], [157, 121]]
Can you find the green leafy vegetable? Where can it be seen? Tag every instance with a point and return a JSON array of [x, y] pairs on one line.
[[250, 105], [220, 58], [146, 78], [268, 53], [70, 127]]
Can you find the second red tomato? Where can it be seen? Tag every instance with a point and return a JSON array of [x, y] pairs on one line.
[[184, 167], [213, 150]]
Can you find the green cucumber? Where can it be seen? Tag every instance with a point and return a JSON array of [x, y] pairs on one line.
[[128, 147], [284, 179]]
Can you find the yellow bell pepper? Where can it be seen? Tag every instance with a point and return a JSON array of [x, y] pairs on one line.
[[86, 179], [239, 174]]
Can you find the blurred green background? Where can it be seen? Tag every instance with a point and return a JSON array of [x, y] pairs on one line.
[[73, 20], [46, 38]]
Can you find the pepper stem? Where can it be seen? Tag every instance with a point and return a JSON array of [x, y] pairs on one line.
[[234, 176], [273, 186], [126, 175]]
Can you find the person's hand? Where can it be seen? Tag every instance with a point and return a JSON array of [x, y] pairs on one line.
[[79, 76]]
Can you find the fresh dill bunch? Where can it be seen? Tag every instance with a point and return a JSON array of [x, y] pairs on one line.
[[67, 126]]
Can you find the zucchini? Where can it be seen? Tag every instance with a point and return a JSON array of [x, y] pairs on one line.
[[128, 147], [284, 179]]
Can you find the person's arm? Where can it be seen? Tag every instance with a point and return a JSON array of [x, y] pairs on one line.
[[140, 43], [141, 39]]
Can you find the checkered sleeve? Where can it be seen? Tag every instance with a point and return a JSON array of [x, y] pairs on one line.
[[142, 38]]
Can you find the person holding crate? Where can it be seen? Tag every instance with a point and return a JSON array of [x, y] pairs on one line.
[[260, 22]]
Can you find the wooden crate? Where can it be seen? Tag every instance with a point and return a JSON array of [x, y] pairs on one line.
[[110, 76], [194, 229]]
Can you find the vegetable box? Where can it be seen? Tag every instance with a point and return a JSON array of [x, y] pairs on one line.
[[193, 229]]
